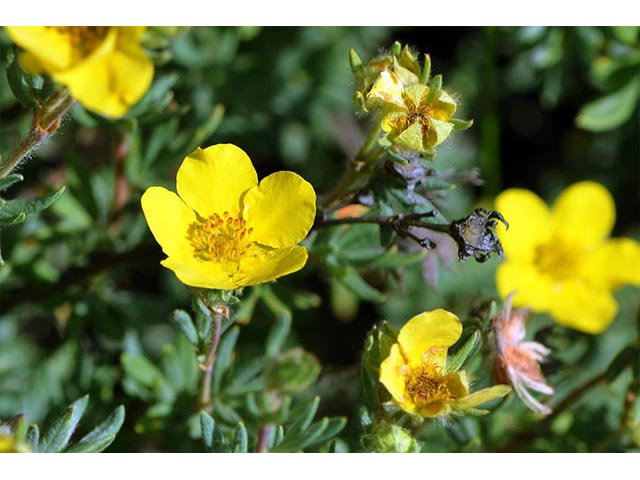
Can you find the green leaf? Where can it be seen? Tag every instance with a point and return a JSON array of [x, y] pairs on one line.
[[14, 208], [207, 427], [240, 439], [102, 436], [455, 362], [9, 180], [224, 356], [12, 221], [625, 358], [302, 416], [33, 437], [354, 282], [612, 110], [182, 320], [58, 434], [17, 79], [154, 96], [145, 374], [226, 412]]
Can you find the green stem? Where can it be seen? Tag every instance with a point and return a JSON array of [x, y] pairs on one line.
[[359, 167], [46, 121], [207, 366]]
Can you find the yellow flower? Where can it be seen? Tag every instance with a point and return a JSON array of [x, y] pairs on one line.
[[417, 118], [403, 65], [415, 374], [225, 230], [104, 68], [561, 261]]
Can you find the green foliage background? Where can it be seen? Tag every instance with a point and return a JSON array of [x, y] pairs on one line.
[[85, 304]]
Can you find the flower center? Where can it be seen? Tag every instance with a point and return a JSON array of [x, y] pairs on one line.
[[84, 40], [556, 259], [219, 238], [426, 385]]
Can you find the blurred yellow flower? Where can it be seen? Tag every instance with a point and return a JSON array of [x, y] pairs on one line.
[[414, 372], [225, 230], [104, 68], [416, 118], [561, 261]]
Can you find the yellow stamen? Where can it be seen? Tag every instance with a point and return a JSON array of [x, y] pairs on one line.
[[219, 238], [426, 385]]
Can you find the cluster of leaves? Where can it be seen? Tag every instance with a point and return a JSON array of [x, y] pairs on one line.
[[55, 438]]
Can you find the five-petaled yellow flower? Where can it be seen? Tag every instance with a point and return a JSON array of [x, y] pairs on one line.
[[225, 230], [416, 117], [415, 374], [104, 68], [561, 261]]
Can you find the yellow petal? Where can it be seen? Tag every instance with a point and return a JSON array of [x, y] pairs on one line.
[[168, 218], [438, 133], [529, 223], [429, 334], [584, 214], [388, 88], [128, 36], [583, 306], [458, 384], [392, 376], [270, 265], [199, 273], [411, 137], [281, 210], [480, 397], [533, 289], [50, 46], [443, 107], [614, 263], [214, 180], [110, 84]]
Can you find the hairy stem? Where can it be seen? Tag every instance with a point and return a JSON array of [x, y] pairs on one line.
[[264, 435], [207, 366], [46, 120]]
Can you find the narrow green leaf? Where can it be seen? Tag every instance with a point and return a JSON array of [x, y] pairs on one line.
[[226, 412], [333, 428], [17, 80], [625, 358], [58, 434], [240, 439], [354, 60], [612, 110], [12, 221], [461, 124], [102, 436], [28, 206], [302, 416], [224, 356], [354, 282], [9, 180], [426, 70], [278, 334], [434, 89], [207, 427], [455, 362], [33, 437], [182, 320]]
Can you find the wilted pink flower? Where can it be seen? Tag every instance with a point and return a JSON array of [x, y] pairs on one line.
[[518, 362]]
